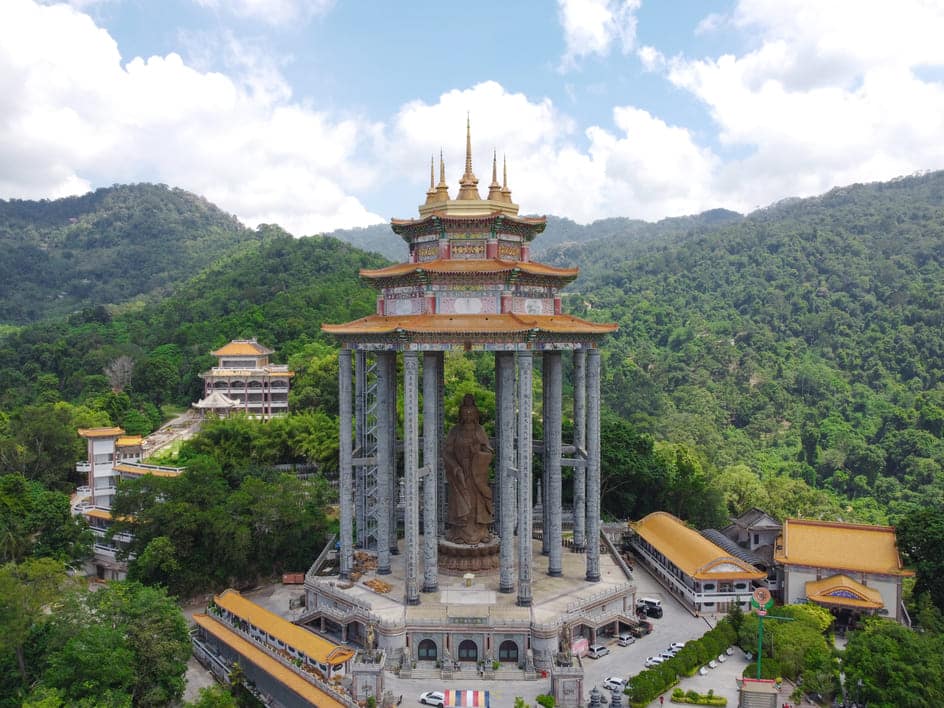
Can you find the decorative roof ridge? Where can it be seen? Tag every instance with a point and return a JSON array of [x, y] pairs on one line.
[[495, 265], [469, 183], [839, 524], [444, 216]]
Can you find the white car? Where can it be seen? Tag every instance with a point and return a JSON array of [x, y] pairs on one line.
[[677, 646], [712, 664], [722, 658], [614, 683], [653, 661], [597, 650], [433, 698]]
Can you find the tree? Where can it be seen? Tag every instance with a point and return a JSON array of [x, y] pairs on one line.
[[25, 592], [213, 697], [921, 541]]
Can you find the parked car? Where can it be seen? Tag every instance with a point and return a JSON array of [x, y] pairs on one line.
[[614, 683], [597, 650], [653, 661], [666, 655], [625, 639], [677, 646], [641, 629], [722, 658], [712, 664], [433, 698]]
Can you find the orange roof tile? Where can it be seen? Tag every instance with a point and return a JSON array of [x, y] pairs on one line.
[[101, 432], [831, 544], [280, 673], [458, 324], [301, 639], [242, 347], [491, 265], [691, 552], [843, 591], [99, 514], [152, 470], [129, 441]]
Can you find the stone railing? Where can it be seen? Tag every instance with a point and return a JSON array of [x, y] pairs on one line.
[[319, 561]]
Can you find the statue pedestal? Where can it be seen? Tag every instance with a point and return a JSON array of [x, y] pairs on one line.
[[460, 558]]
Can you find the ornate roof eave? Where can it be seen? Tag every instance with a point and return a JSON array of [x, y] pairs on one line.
[[449, 328], [435, 220], [475, 268]]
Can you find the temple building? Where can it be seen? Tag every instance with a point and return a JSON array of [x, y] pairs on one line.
[[470, 579], [244, 380]]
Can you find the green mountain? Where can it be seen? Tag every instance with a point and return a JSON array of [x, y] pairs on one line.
[[106, 247]]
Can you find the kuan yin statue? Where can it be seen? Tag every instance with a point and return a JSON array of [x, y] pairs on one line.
[[467, 457]]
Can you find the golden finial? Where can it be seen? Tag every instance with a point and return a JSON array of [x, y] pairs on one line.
[[468, 185], [494, 189], [505, 192], [431, 192], [442, 189]]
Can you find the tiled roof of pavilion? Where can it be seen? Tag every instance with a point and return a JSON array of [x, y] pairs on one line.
[[101, 432], [831, 544], [691, 552], [242, 347], [508, 323], [492, 265], [843, 591]]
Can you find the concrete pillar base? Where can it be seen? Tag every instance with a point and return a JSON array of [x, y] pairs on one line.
[[593, 578], [507, 590], [430, 588], [412, 601], [557, 574], [523, 602], [383, 571]]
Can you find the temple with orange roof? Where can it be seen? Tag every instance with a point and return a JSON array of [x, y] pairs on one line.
[[244, 380], [468, 285]]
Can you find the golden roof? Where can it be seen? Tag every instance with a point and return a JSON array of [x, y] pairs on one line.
[[127, 468], [105, 514], [843, 591], [242, 347], [831, 544], [101, 432], [129, 441], [300, 639], [449, 266], [283, 675], [691, 552], [508, 323]]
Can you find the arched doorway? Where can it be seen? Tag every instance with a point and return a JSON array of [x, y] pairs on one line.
[[426, 651], [468, 651], [508, 651]]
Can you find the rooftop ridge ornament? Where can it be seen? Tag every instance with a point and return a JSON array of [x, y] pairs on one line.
[[468, 185], [505, 192], [442, 189], [494, 189], [431, 192]]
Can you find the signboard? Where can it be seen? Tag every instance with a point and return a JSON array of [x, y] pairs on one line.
[[762, 601]]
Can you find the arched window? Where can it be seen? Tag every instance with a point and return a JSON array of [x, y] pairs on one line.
[[508, 651], [426, 650], [468, 651]]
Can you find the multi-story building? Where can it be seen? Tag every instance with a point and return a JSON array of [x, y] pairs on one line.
[[244, 376], [112, 456]]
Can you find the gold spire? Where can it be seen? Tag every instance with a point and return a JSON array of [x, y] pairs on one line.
[[442, 189], [505, 192], [468, 185], [494, 189], [431, 192]]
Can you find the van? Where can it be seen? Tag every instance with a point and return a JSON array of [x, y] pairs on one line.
[[597, 650], [648, 602], [625, 639]]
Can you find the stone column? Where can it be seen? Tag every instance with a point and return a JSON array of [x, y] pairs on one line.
[[552, 462], [392, 402], [432, 363], [545, 500], [525, 455], [505, 378], [440, 429], [593, 465], [386, 461], [345, 439], [580, 442], [411, 477], [361, 441]]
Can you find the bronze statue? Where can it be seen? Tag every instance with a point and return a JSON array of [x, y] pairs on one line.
[[467, 456]]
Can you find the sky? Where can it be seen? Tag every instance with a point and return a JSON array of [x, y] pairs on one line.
[[325, 114]]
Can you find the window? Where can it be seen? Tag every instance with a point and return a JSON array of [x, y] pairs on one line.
[[756, 539], [468, 651], [508, 651], [426, 650]]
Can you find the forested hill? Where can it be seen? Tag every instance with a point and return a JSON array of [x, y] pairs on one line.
[[805, 338], [106, 247], [380, 239]]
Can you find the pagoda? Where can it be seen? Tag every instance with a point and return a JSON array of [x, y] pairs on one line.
[[469, 284]]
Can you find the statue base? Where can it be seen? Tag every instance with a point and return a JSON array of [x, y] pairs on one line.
[[461, 558]]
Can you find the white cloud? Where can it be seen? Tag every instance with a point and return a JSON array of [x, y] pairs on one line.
[[272, 12], [74, 116], [593, 26], [649, 169], [831, 94]]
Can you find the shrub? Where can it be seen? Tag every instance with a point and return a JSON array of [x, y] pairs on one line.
[[545, 700]]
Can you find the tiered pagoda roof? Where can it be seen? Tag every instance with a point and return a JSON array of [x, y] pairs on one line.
[[470, 281]]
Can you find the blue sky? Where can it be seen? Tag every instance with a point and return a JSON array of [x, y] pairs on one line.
[[320, 114]]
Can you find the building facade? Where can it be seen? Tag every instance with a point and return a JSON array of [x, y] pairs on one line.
[[243, 376], [469, 285], [852, 569]]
